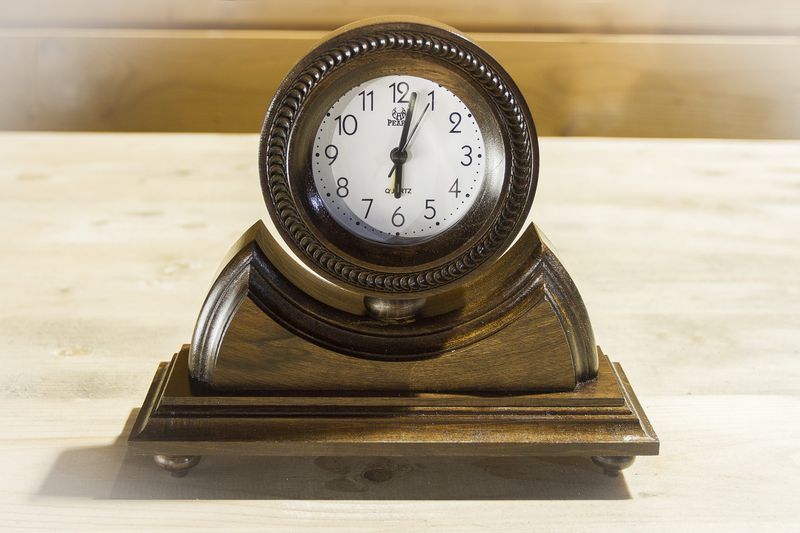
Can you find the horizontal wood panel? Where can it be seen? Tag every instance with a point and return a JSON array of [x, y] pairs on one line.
[[602, 16], [193, 80]]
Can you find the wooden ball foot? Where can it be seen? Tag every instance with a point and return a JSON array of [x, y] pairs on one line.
[[177, 465], [612, 464]]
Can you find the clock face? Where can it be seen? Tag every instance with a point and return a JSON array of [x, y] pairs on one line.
[[398, 158]]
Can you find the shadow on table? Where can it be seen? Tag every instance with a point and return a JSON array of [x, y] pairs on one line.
[[112, 472]]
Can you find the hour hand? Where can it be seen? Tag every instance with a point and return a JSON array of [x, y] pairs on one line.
[[408, 140], [398, 158], [398, 181], [399, 155]]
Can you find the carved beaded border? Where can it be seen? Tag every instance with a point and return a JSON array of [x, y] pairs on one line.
[[284, 120]]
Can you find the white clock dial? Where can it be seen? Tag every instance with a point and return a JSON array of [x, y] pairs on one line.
[[443, 170]]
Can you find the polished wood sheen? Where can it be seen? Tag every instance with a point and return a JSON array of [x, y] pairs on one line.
[[259, 354], [524, 329], [275, 371], [475, 342], [600, 418]]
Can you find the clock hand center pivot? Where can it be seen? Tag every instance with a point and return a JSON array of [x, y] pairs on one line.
[[398, 156]]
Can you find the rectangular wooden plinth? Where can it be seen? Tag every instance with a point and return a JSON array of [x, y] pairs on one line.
[[601, 417]]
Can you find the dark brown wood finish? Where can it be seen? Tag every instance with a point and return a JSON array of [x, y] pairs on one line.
[[259, 354], [599, 392], [601, 418], [263, 377], [497, 367], [460, 345], [521, 327]]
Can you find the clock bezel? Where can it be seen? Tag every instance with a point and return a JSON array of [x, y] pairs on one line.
[[287, 181]]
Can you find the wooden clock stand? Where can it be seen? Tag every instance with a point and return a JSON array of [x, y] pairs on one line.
[[284, 363]]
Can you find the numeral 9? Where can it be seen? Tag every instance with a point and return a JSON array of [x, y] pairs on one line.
[[331, 152]]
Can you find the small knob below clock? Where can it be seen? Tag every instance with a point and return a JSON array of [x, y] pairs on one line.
[[394, 311]]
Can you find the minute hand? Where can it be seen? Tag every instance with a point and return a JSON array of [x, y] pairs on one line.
[[414, 129]]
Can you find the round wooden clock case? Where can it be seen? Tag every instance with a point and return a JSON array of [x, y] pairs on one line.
[[341, 334]]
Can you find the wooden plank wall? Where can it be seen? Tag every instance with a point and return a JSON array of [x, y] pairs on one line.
[[651, 68]]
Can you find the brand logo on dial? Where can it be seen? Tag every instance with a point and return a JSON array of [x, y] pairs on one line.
[[398, 117]]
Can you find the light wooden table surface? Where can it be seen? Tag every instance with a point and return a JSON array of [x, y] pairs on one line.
[[686, 252]]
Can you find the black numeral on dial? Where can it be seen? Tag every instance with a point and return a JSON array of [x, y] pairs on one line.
[[454, 188], [347, 124], [430, 209], [455, 120], [467, 161], [399, 90], [331, 152], [367, 95], [397, 218], [369, 206], [341, 187]]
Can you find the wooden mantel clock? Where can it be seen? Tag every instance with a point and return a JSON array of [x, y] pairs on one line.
[[403, 304]]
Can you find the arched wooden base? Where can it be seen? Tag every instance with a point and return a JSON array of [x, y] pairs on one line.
[[281, 364], [268, 325]]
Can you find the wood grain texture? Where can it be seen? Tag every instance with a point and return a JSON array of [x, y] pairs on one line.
[[581, 84], [603, 393], [178, 419], [521, 327], [260, 354], [109, 243]]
